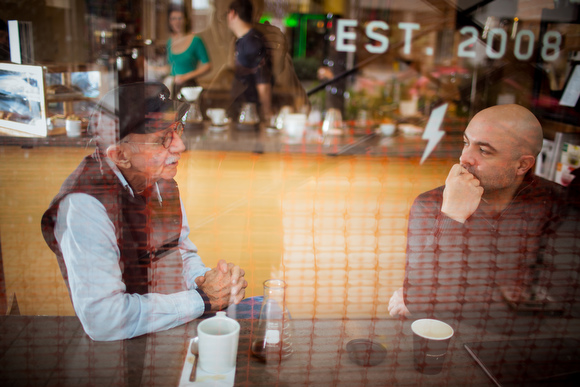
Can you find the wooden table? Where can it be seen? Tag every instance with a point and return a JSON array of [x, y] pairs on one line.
[[47, 351]]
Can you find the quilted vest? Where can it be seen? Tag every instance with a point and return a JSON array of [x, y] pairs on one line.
[[146, 229]]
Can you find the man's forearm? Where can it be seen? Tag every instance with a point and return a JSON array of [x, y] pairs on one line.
[[107, 312], [430, 234]]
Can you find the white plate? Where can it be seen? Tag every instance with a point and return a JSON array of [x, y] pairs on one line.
[[216, 128], [334, 132], [410, 129]]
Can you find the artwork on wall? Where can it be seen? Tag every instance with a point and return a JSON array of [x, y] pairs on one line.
[[22, 101]]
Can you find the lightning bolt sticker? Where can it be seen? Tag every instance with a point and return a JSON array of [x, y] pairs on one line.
[[432, 132], [572, 90]]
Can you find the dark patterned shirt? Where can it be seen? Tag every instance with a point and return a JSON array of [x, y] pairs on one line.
[[463, 271]]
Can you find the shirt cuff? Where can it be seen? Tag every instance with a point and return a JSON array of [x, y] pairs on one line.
[[206, 302], [443, 224]]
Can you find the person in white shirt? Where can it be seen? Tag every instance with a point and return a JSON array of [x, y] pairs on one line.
[[119, 229]]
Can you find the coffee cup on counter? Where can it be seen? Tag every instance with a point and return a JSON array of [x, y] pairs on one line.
[[294, 126], [73, 126], [217, 116], [387, 128]]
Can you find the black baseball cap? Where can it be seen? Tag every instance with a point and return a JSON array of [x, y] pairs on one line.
[[141, 108]]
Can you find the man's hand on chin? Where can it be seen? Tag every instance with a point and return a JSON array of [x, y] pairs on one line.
[[462, 194]]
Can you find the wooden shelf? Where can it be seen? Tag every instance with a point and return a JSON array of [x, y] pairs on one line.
[[68, 97]]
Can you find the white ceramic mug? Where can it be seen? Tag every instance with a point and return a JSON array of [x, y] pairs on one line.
[[73, 128], [284, 111], [218, 344], [217, 116], [387, 129], [294, 125]]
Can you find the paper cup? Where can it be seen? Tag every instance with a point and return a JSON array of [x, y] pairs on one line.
[[218, 344], [430, 341]]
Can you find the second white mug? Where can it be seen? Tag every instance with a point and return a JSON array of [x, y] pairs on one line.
[[217, 116]]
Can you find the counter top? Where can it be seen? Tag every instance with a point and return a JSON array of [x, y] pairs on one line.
[[351, 141]]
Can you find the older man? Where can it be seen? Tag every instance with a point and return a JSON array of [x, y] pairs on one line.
[[118, 222], [475, 244]]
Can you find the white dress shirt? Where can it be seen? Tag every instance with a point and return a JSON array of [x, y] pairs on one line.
[[86, 237]]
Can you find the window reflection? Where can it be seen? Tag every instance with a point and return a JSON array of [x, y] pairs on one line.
[[377, 72]]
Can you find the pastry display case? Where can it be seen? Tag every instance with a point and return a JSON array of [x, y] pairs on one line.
[[22, 102], [36, 101], [71, 92]]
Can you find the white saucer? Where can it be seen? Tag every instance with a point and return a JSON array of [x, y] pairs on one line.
[[218, 128], [334, 132], [203, 378], [410, 129]]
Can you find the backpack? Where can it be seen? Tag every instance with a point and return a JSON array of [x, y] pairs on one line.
[[276, 45]]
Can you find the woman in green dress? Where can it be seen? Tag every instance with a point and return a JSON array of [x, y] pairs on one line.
[[186, 53]]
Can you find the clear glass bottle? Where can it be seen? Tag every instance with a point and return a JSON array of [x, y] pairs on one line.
[[273, 338], [194, 115]]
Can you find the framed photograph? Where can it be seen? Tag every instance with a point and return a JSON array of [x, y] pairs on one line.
[[22, 101]]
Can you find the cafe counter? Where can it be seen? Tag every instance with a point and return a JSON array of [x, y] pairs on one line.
[[406, 141]]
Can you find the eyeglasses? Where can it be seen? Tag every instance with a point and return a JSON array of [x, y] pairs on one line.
[[176, 128]]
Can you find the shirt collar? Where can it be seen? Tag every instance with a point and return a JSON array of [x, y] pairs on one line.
[[124, 182]]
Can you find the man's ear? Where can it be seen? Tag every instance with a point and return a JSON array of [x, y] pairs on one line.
[[526, 163], [119, 156]]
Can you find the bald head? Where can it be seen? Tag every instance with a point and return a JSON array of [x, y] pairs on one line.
[[518, 124]]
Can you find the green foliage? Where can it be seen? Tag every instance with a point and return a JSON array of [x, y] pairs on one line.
[[306, 68]]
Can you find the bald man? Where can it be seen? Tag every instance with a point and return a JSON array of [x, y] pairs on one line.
[[475, 240]]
